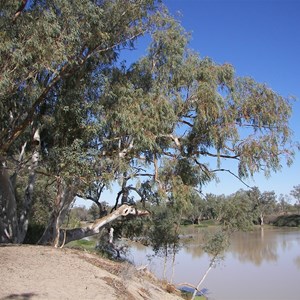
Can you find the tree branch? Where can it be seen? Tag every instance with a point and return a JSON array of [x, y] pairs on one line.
[[225, 170], [186, 123], [66, 71], [217, 155], [20, 9]]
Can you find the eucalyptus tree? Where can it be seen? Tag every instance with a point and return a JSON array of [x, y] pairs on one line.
[[237, 212], [52, 52], [173, 110], [263, 203], [72, 113], [284, 205]]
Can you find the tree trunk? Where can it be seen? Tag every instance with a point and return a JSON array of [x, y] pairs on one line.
[[9, 232], [211, 265], [14, 224], [261, 220], [165, 264], [65, 196], [68, 235], [28, 196]]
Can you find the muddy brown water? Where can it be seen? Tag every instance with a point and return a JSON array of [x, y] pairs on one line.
[[262, 264]]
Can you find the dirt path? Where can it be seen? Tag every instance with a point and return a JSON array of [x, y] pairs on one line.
[[36, 272]]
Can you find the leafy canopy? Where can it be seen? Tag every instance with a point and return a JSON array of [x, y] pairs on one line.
[[158, 119]]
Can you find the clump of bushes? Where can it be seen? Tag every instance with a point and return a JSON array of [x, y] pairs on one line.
[[288, 220]]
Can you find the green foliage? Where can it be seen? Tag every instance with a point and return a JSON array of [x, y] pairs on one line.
[[212, 206], [284, 204], [236, 213], [164, 231], [263, 203], [296, 194], [187, 172], [215, 243], [288, 220], [41, 206], [94, 211], [133, 228]]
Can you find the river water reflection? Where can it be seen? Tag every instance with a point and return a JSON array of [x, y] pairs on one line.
[[262, 264]]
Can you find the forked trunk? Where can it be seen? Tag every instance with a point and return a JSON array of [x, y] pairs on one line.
[[64, 198]]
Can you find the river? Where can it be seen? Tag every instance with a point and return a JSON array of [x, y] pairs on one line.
[[263, 264]]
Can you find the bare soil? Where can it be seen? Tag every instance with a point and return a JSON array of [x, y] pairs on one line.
[[38, 272]]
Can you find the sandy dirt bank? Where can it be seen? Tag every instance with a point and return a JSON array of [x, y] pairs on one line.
[[38, 272]]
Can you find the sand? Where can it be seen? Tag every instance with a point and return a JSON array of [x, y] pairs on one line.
[[39, 272]]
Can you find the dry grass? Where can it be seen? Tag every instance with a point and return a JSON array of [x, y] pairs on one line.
[[127, 272], [119, 287]]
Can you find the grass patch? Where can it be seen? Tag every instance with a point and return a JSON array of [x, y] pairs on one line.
[[201, 225], [188, 296], [82, 244], [207, 223]]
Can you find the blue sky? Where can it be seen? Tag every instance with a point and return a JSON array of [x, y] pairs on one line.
[[261, 39]]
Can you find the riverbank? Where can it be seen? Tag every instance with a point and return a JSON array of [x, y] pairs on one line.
[[38, 272]]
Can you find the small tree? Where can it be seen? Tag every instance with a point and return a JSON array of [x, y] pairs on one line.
[[79, 212], [94, 211], [296, 194], [236, 212], [164, 235], [284, 203]]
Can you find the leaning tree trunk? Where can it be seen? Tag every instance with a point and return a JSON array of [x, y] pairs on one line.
[[211, 265], [68, 235]]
